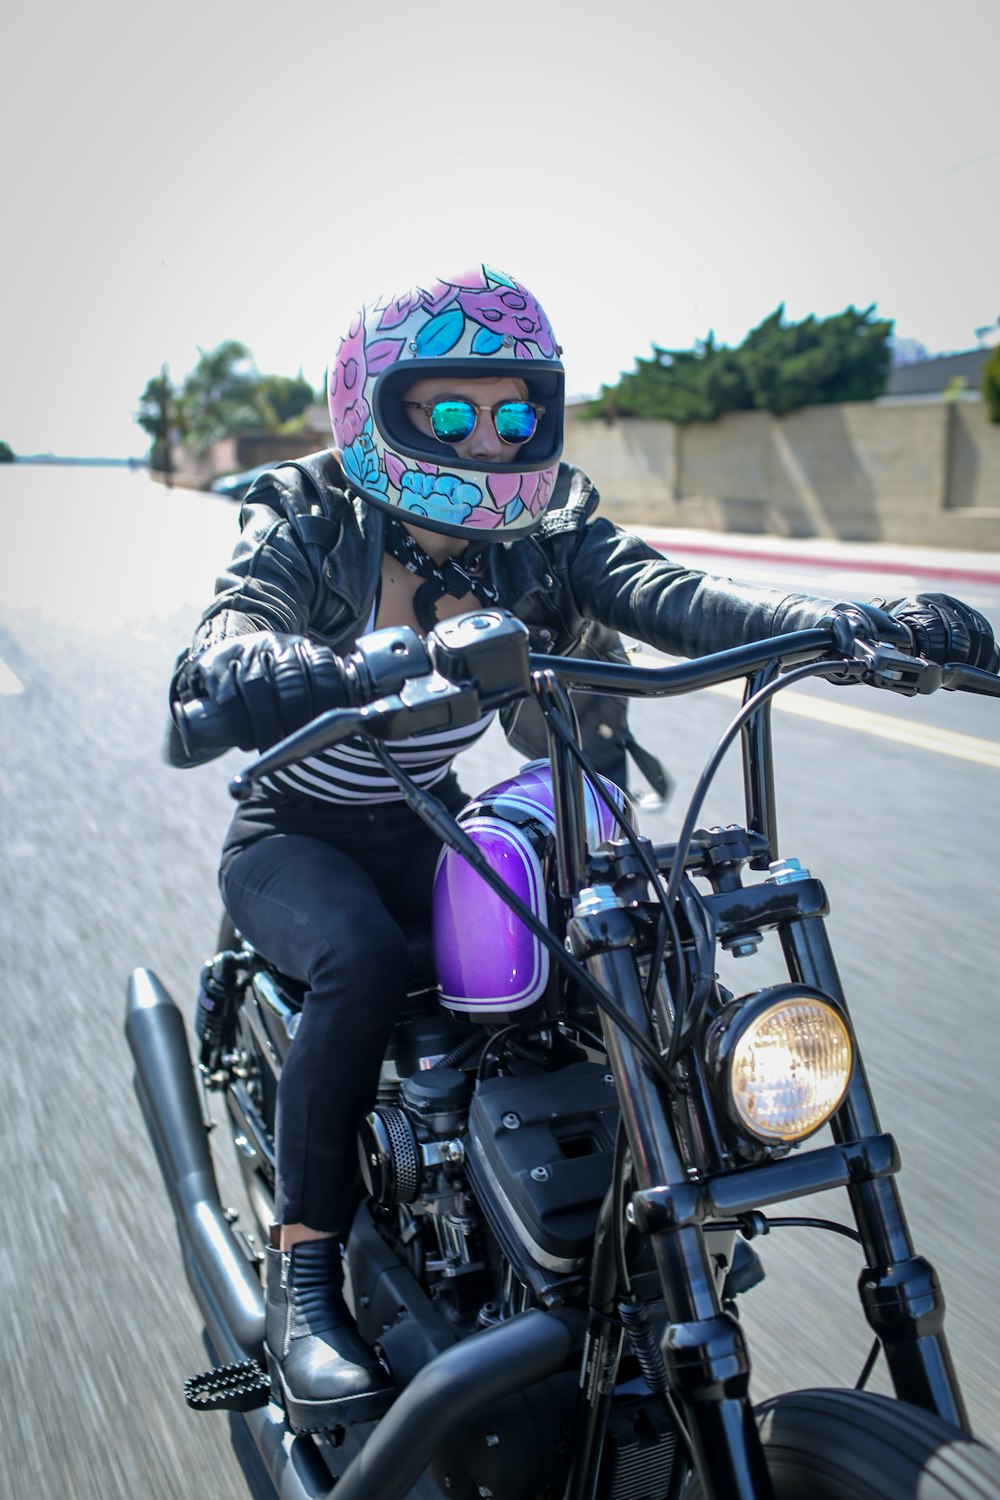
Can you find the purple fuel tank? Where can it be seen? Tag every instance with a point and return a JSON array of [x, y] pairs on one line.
[[488, 962]]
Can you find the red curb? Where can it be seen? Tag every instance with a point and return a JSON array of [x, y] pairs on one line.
[[831, 560]]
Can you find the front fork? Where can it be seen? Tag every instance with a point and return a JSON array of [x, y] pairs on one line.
[[899, 1290], [704, 1351]]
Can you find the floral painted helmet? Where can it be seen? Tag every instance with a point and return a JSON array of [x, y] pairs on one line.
[[480, 324]]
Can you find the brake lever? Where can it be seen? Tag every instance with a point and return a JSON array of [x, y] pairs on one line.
[[959, 677], [887, 667]]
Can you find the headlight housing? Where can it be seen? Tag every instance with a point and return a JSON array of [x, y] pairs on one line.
[[780, 1061]]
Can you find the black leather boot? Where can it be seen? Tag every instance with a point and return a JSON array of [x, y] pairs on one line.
[[321, 1369]]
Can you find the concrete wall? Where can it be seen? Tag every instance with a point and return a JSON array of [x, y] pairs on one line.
[[925, 472], [633, 464], [973, 472], [921, 472]]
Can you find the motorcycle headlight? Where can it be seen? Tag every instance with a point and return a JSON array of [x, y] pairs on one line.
[[780, 1061]]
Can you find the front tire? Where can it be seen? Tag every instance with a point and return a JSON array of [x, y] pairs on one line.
[[855, 1445]]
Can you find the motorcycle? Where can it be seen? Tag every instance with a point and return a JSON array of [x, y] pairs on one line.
[[578, 1129]]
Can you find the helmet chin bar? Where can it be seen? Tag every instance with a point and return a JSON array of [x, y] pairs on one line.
[[474, 537]]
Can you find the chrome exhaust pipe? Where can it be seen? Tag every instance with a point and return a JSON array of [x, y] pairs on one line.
[[225, 1284]]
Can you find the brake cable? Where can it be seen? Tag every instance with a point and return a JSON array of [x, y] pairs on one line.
[[683, 846]]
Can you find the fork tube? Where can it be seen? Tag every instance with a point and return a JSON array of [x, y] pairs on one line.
[[899, 1290], [758, 764], [703, 1348], [567, 789]]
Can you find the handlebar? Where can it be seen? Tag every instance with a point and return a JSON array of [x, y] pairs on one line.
[[476, 662]]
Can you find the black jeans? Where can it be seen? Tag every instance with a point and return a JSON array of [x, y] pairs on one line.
[[321, 892]]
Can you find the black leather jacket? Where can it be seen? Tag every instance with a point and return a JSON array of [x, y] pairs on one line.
[[310, 555]]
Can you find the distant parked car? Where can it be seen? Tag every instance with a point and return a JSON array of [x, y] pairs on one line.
[[235, 486]]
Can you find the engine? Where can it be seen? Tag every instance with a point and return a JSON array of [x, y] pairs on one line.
[[484, 1196], [492, 1189]]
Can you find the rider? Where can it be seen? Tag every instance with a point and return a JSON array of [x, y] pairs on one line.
[[444, 491]]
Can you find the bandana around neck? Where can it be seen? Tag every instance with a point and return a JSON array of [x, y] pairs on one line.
[[449, 577]]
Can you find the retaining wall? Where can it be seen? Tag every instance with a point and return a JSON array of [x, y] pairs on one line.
[[908, 472], [921, 472]]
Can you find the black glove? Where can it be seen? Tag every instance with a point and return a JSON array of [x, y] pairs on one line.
[[944, 629], [865, 622], [265, 685]]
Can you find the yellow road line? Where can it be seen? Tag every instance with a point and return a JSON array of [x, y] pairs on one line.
[[883, 726]]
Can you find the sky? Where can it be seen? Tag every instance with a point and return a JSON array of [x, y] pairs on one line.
[[174, 176]]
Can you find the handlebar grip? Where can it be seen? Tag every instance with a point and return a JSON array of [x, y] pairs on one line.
[[201, 727]]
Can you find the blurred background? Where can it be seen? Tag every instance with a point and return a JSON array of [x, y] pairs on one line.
[[173, 179], [177, 180]]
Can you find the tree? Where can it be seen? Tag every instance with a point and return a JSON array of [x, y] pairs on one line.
[[217, 397], [282, 401], [666, 385], [7, 454], [682, 385], [155, 415], [222, 394], [816, 362], [990, 385], [779, 366]]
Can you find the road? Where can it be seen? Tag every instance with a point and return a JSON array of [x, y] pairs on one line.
[[109, 863]]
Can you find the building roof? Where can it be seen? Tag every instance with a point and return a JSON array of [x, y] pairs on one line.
[[929, 377]]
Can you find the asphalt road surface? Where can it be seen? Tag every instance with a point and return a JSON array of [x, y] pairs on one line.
[[109, 861]]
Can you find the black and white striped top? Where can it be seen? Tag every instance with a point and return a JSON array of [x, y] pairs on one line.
[[349, 772]]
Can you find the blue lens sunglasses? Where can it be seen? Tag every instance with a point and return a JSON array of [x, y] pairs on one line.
[[453, 420]]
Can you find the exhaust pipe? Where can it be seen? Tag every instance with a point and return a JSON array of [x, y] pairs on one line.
[[461, 1381], [225, 1284], [464, 1379]]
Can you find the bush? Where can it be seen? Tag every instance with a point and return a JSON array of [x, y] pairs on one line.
[[990, 385], [779, 367], [7, 455]]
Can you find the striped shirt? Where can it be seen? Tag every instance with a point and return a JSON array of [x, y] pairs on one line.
[[349, 772]]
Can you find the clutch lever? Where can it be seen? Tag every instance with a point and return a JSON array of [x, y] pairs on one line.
[[423, 705]]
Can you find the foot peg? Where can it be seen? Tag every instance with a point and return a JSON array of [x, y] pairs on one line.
[[240, 1387]]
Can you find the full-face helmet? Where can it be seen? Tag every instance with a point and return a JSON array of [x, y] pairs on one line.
[[481, 323]]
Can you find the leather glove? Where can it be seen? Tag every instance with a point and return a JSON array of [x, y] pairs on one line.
[[944, 629], [265, 685], [866, 622]]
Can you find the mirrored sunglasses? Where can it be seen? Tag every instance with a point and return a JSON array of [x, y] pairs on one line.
[[454, 420]]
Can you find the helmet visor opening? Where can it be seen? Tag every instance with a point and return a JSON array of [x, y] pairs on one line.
[[533, 428]]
